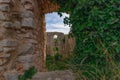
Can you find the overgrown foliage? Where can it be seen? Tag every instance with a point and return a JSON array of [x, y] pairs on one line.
[[28, 74], [95, 25], [57, 62]]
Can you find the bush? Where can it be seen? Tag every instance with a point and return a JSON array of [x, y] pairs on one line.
[[28, 74]]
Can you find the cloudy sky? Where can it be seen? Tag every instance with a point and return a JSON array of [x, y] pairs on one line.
[[54, 23]]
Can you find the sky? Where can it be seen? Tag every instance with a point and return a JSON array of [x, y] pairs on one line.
[[54, 23]]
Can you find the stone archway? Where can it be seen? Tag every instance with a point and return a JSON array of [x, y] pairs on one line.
[[22, 36]]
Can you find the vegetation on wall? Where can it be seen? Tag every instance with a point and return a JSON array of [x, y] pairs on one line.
[[57, 62], [28, 74], [95, 25]]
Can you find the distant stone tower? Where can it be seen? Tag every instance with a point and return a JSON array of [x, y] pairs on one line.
[[22, 36]]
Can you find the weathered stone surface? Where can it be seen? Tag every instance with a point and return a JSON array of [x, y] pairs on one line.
[[27, 14], [7, 24], [28, 35], [11, 75], [24, 1], [3, 55], [5, 1], [7, 50], [2, 68], [54, 75], [10, 39], [3, 16], [18, 31], [1, 49], [25, 49], [8, 43], [17, 25], [2, 61], [28, 23], [28, 6], [5, 7], [26, 59], [32, 41], [27, 66]]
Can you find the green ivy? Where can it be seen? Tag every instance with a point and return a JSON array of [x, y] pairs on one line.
[[95, 24]]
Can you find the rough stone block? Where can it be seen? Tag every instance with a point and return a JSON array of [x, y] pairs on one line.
[[2, 68], [5, 1], [32, 41], [27, 66], [7, 50], [28, 6], [26, 59], [1, 49], [24, 1], [54, 75], [17, 25], [11, 75], [25, 49], [27, 14], [2, 61], [28, 35], [3, 55], [8, 43], [7, 25], [28, 23], [4, 7], [3, 16]]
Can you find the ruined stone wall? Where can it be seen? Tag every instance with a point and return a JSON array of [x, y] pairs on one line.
[[22, 37], [64, 43], [21, 30]]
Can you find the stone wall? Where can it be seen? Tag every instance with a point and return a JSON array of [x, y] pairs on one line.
[[22, 37], [54, 75], [64, 43]]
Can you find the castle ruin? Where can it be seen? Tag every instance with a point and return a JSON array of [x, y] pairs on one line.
[[22, 36]]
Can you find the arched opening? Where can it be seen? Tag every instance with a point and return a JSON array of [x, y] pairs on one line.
[[58, 44], [55, 36], [56, 31]]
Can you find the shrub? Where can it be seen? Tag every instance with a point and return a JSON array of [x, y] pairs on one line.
[[28, 74]]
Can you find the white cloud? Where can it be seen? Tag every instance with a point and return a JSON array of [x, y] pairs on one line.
[[65, 15], [59, 30], [58, 26], [55, 23]]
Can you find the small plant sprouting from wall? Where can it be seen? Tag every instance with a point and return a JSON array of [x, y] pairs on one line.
[[55, 49], [55, 41], [28, 74], [63, 40]]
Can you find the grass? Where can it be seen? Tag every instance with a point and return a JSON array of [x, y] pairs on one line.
[[111, 71], [57, 62]]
